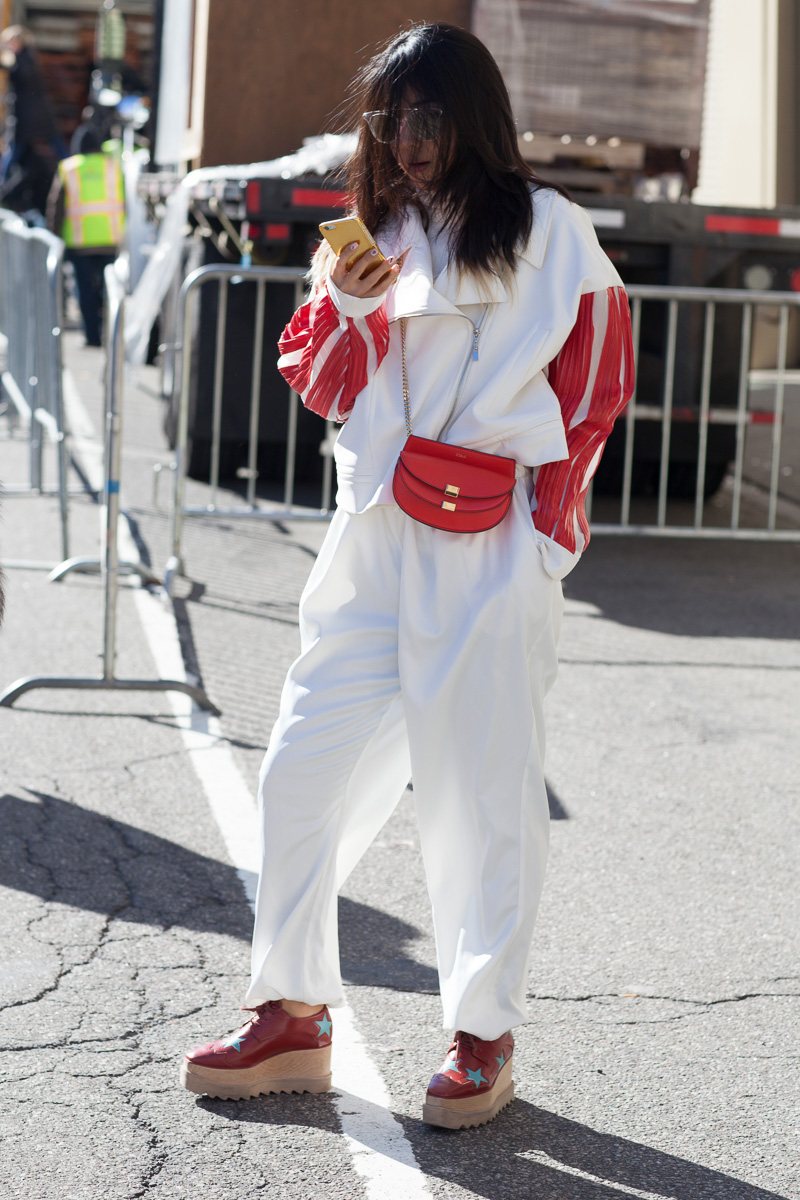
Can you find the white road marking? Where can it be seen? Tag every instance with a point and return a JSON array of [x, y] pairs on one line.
[[374, 1138], [228, 795], [611, 1185], [83, 442]]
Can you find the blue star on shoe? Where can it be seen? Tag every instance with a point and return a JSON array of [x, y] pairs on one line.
[[476, 1077], [501, 1061], [234, 1043], [451, 1064], [324, 1026]]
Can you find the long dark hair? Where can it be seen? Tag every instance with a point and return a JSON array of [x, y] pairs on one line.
[[482, 185]]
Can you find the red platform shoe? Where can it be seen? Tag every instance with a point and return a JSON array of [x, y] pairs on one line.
[[272, 1052], [473, 1083]]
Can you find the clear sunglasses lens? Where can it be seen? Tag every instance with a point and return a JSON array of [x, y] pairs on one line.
[[424, 123], [379, 126]]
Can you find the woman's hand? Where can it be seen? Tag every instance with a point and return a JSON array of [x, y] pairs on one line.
[[354, 282]]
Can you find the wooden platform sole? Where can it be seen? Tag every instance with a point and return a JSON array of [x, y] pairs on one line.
[[295, 1071], [471, 1110]]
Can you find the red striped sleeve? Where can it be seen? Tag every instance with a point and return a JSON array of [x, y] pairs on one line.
[[327, 359], [592, 376]]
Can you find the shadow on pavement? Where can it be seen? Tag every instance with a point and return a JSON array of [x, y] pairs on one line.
[[530, 1152], [310, 1112], [371, 948], [557, 810], [64, 853], [165, 720], [70, 855], [692, 588], [527, 1152]]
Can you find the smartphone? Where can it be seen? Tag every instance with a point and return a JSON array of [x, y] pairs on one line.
[[342, 232]]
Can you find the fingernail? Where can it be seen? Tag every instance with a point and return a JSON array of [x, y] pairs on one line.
[[373, 253], [353, 246]]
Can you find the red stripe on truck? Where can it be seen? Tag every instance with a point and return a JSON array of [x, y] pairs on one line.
[[717, 223], [253, 196], [318, 198]]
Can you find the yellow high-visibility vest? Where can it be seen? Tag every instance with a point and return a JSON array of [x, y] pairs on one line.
[[94, 211]]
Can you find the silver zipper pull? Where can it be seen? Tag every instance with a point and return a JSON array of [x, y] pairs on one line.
[[476, 333]]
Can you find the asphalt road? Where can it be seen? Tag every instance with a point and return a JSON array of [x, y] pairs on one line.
[[661, 1057]]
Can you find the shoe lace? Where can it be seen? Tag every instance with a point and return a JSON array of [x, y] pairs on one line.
[[475, 1045], [470, 1044], [269, 1006], [462, 1043]]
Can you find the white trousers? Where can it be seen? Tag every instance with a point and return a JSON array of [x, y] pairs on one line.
[[424, 654]]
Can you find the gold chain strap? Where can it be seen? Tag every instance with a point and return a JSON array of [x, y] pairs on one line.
[[459, 390], [406, 401]]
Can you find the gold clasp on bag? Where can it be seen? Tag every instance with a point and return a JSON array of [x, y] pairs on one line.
[[449, 507], [451, 490]]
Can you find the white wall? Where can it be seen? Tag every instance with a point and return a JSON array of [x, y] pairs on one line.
[[739, 135], [173, 87]]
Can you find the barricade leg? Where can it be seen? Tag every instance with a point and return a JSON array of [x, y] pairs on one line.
[[70, 683], [110, 565]]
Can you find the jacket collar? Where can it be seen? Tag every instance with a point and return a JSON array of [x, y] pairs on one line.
[[416, 291], [544, 200]]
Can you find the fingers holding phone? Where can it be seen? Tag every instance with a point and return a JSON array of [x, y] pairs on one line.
[[363, 278], [360, 268]]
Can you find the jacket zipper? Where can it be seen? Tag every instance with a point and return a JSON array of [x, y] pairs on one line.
[[472, 356]]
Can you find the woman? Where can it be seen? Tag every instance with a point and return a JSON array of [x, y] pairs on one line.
[[428, 653]]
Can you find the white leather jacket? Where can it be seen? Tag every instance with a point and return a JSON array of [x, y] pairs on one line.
[[535, 368]]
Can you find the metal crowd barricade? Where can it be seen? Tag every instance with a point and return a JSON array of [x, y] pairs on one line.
[[30, 322], [654, 408], [110, 564], [227, 276], [6, 218], [704, 415]]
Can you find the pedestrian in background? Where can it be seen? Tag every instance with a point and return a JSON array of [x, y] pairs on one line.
[[33, 144], [86, 207], [496, 329]]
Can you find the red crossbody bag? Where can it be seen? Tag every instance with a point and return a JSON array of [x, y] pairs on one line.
[[450, 487]]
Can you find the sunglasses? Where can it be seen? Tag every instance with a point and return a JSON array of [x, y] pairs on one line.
[[423, 124]]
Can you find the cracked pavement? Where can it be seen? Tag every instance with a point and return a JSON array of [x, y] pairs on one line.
[[661, 1057]]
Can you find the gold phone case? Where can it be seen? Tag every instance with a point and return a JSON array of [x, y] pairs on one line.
[[342, 232]]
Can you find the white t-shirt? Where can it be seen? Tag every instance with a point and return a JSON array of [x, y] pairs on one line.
[[439, 242]]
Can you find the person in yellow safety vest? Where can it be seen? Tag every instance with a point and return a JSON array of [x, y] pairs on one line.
[[86, 207]]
